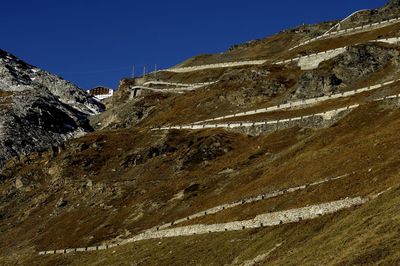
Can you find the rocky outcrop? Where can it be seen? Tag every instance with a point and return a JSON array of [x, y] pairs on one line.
[[389, 11], [362, 60], [38, 109], [355, 64], [16, 75], [206, 149]]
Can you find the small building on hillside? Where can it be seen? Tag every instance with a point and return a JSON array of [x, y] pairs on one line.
[[101, 93]]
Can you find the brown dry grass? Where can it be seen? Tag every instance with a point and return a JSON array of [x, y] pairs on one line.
[[261, 164], [5, 93], [369, 149], [344, 40], [321, 107], [125, 199]]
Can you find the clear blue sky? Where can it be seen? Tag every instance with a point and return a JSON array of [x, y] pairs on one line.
[[96, 42]]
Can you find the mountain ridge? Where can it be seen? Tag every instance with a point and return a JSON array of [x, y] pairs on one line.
[[39, 110]]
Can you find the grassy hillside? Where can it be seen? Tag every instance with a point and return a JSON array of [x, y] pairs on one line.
[[125, 178]]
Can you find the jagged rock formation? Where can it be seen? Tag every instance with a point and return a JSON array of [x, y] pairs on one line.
[[38, 109]]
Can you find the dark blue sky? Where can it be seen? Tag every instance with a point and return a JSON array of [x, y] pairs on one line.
[[96, 42]]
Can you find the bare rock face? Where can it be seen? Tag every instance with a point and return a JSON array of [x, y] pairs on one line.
[[38, 109], [355, 64], [18, 76], [205, 149]]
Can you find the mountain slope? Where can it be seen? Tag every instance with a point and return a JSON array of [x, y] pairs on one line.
[[92, 199], [38, 110]]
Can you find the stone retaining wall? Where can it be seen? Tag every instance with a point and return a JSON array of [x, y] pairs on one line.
[[366, 27], [179, 87], [301, 103], [312, 61], [177, 84], [308, 62], [218, 65], [257, 260], [338, 26], [73, 250], [210, 211], [260, 197], [303, 62], [260, 221], [393, 40], [138, 90], [316, 119]]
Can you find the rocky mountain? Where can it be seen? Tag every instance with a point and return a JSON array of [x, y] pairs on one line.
[[280, 151], [38, 109], [392, 4]]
